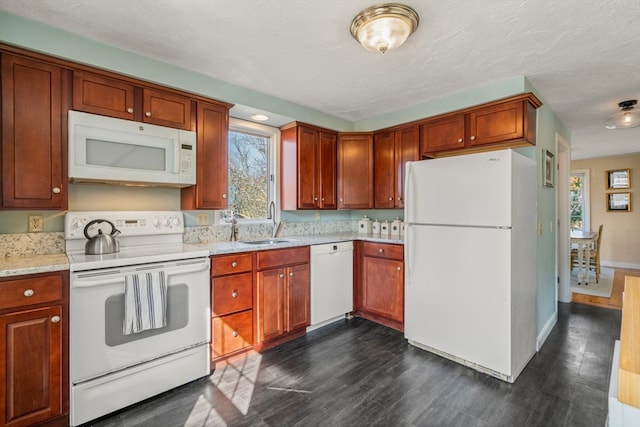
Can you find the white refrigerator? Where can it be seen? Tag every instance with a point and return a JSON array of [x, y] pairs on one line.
[[470, 255]]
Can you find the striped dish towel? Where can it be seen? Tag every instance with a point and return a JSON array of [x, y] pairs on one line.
[[145, 302]]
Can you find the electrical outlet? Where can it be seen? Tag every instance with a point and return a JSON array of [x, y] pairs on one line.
[[36, 223], [202, 219]]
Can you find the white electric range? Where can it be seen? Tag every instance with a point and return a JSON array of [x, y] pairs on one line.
[[111, 368]]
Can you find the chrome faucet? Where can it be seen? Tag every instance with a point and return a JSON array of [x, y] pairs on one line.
[[234, 229], [271, 214]]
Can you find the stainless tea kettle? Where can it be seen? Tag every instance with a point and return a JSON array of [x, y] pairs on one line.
[[101, 243]]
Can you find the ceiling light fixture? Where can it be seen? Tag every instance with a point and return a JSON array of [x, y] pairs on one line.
[[383, 27], [627, 118], [260, 117]]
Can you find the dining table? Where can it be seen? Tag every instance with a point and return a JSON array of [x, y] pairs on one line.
[[584, 240]]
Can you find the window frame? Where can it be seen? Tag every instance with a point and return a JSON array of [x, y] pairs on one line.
[[273, 161], [586, 203]]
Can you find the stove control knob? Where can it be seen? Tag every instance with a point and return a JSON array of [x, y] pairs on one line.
[[174, 221], [157, 223]]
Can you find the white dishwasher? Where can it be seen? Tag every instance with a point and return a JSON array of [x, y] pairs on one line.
[[331, 282]]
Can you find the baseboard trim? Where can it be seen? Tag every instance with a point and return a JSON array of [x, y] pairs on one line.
[[546, 330], [620, 264]]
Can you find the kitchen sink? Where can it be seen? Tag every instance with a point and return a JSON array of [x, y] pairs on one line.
[[265, 242]]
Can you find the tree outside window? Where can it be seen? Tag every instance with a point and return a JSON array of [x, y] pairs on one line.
[[248, 174], [579, 200]]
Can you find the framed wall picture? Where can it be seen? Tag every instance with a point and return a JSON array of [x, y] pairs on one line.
[[547, 169], [618, 202], [618, 179]]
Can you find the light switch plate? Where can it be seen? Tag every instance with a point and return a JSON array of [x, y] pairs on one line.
[[202, 219], [36, 223]]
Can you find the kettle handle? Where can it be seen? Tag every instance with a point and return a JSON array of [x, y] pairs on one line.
[[114, 230]]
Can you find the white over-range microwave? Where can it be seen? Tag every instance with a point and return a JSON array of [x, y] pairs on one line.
[[115, 151]]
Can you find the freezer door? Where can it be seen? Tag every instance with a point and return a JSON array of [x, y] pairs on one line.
[[473, 189], [457, 294]]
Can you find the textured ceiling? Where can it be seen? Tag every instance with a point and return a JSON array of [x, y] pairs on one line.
[[583, 56]]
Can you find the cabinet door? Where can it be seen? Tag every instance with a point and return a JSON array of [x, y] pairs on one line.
[[101, 95], [308, 172], [383, 287], [31, 366], [497, 123], [327, 170], [166, 109], [442, 134], [210, 191], [270, 284], [407, 149], [298, 280], [33, 148], [384, 167], [355, 171]]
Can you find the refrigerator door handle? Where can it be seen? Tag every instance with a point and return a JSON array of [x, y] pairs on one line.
[[408, 255]]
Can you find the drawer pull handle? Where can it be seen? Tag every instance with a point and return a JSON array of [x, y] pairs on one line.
[[381, 250], [234, 264], [234, 294], [55, 319], [234, 333], [29, 293]]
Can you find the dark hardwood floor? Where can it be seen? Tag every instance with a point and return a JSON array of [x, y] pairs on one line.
[[357, 373]]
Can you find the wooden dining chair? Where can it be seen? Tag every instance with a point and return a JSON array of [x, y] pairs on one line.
[[594, 255]]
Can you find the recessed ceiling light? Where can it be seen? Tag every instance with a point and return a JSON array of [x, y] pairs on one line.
[[260, 117]]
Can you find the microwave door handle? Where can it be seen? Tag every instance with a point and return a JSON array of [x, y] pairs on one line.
[[176, 156]]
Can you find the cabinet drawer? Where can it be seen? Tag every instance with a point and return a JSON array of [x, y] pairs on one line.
[[231, 264], [282, 257], [231, 333], [383, 250], [232, 293], [23, 292]]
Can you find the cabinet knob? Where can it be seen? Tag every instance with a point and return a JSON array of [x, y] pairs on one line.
[[56, 190], [148, 113], [281, 275], [399, 268], [315, 199], [234, 333], [399, 198], [224, 196], [234, 294], [323, 199], [29, 293], [234, 264], [390, 199], [460, 139], [55, 319], [473, 137], [291, 274], [380, 250], [341, 199], [130, 110]]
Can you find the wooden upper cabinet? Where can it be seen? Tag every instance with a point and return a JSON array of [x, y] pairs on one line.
[[355, 171], [166, 109], [34, 107], [308, 172], [392, 150], [443, 134], [506, 123], [210, 191], [97, 94]]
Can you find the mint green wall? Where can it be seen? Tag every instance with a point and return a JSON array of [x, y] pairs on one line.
[[28, 34]]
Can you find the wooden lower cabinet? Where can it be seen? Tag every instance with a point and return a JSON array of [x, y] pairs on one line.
[[379, 293], [282, 293], [33, 350], [232, 305]]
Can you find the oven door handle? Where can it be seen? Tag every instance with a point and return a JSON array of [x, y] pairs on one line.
[[87, 283]]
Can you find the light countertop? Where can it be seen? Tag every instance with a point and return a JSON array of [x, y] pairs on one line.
[[14, 266]]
